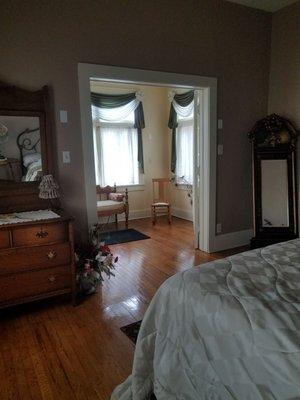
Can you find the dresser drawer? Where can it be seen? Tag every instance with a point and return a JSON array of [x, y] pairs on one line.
[[34, 283], [39, 234], [4, 239], [37, 257]]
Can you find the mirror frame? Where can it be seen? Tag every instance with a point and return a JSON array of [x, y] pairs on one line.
[[21, 196], [274, 138]]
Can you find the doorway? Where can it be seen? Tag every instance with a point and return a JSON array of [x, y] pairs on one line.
[[204, 168]]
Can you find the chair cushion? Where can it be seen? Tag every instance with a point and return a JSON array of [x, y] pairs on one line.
[[109, 205], [116, 196], [161, 204]]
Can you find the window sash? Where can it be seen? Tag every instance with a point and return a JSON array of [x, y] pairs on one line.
[[184, 151], [115, 151]]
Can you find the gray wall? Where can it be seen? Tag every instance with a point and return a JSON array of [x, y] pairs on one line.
[[284, 89], [42, 41], [284, 92]]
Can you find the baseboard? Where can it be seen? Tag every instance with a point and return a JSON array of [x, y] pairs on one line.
[[133, 214], [184, 214], [138, 214], [231, 240]]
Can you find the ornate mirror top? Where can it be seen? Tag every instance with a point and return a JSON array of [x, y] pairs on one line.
[[273, 131]]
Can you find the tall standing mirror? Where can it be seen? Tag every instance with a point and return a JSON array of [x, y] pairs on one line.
[[274, 181], [25, 146]]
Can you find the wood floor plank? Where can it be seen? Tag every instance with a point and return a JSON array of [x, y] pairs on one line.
[[51, 350]]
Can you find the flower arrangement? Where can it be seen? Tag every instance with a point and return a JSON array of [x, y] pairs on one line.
[[92, 261]]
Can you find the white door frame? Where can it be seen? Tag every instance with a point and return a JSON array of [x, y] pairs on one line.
[[205, 139]]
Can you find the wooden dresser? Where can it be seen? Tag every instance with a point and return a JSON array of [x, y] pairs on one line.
[[36, 260]]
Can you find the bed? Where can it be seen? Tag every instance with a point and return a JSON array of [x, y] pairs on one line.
[[28, 143], [229, 329]]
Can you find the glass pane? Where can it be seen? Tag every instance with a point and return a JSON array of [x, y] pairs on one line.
[[274, 185], [20, 148]]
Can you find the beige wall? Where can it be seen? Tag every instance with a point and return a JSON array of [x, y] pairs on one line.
[[42, 41]]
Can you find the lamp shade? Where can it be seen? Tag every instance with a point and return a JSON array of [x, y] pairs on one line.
[[48, 188]]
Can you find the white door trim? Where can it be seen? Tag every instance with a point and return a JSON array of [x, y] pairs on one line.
[[207, 138]]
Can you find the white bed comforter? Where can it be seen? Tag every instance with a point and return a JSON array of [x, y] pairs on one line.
[[229, 329]]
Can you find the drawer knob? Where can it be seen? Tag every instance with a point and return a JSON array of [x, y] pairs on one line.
[[41, 234], [52, 279], [51, 255]]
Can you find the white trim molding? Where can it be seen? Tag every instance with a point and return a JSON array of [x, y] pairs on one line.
[[131, 188], [231, 240], [183, 214], [133, 214]]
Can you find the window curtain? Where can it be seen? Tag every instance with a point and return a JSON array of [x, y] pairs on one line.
[[102, 109], [184, 151], [114, 164], [182, 105]]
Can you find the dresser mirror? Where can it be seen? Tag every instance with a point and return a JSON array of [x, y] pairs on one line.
[[25, 146], [274, 181], [20, 148]]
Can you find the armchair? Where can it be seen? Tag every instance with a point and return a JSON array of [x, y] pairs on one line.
[[113, 203]]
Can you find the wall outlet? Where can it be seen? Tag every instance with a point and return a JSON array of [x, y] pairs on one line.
[[220, 124], [219, 227], [220, 149], [63, 116], [66, 157]]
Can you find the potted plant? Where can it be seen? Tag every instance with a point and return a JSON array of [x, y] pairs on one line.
[[92, 261]]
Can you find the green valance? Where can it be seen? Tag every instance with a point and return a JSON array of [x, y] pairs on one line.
[[107, 101], [111, 100], [183, 100]]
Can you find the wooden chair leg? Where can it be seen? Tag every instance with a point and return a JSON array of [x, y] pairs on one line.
[[169, 215], [126, 218], [153, 214]]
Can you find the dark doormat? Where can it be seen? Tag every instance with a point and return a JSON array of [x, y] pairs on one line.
[[132, 331], [124, 236]]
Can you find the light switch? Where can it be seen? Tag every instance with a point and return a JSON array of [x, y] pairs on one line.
[[63, 116], [220, 149], [66, 157], [220, 124]]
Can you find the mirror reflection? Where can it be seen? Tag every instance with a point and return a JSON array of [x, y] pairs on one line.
[[274, 186], [20, 148]]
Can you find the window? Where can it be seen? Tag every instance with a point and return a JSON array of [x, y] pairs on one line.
[[116, 152], [184, 149]]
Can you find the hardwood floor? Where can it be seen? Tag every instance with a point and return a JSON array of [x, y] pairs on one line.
[[51, 350]]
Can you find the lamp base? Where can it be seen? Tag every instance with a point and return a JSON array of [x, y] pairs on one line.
[[53, 204]]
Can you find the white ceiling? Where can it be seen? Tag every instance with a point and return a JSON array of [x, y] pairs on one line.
[[267, 5]]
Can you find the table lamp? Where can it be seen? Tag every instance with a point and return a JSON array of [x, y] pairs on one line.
[[48, 189]]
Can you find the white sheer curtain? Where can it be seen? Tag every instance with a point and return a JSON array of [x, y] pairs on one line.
[[184, 150], [116, 144], [184, 112], [117, 114], [116, 148]]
